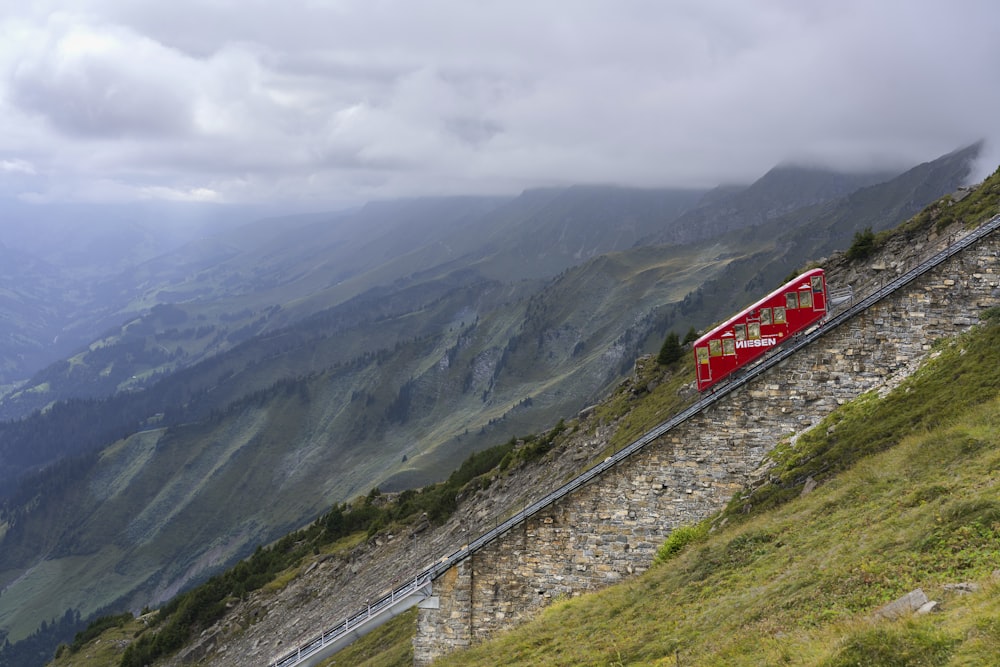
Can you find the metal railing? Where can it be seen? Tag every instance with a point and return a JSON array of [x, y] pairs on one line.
[[842, 295], [374, 614], [786, 350]]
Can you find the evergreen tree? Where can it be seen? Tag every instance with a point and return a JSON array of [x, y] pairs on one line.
[[691, 336], [671, 350]]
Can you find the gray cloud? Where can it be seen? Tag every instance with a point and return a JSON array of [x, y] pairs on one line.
[[311, 102], [99, 88]]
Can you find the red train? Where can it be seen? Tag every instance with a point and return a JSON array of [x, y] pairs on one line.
[[753, 331]]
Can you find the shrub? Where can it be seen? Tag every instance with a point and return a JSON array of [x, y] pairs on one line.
[[862, 245], [679, 538], [990, 314]]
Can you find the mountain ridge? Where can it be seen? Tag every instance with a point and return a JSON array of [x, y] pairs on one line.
[[781, 190]]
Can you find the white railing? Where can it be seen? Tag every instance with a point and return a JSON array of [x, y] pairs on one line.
[[374, 614]]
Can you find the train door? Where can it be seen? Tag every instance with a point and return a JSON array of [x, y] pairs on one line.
[[819, 294], [704, 368]]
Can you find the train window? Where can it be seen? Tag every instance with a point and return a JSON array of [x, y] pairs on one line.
[[741, 331], [817, 283], [765, 315], [715, 348], [728, 346], [779, 315], [805, 299], [791, 300], [755, 330], [702, 355]]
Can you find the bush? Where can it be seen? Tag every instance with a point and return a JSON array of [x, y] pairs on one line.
[[96, 627], [679, 538], [863, 244], [990, 314]]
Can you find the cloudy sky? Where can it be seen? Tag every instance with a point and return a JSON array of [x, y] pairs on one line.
[[319, 102]]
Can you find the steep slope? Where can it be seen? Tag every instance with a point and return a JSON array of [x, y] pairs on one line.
[[273, 273], [780, 191], [817, 231]]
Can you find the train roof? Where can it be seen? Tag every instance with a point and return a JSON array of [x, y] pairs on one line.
[[757, 304]]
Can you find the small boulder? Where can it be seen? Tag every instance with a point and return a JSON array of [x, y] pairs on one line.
[[962, 588], [929, 607], [905, 605]]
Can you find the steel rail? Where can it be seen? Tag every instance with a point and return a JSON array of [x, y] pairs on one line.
[[309, 652], [787, 349]]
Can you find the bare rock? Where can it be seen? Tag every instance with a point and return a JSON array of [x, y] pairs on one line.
[[809, 486], [928, 607], [962, 588], [904, 606]]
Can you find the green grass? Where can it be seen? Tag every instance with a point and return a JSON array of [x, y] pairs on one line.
[[390, 646], [642, 407], [965, 372], [106, 650]]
